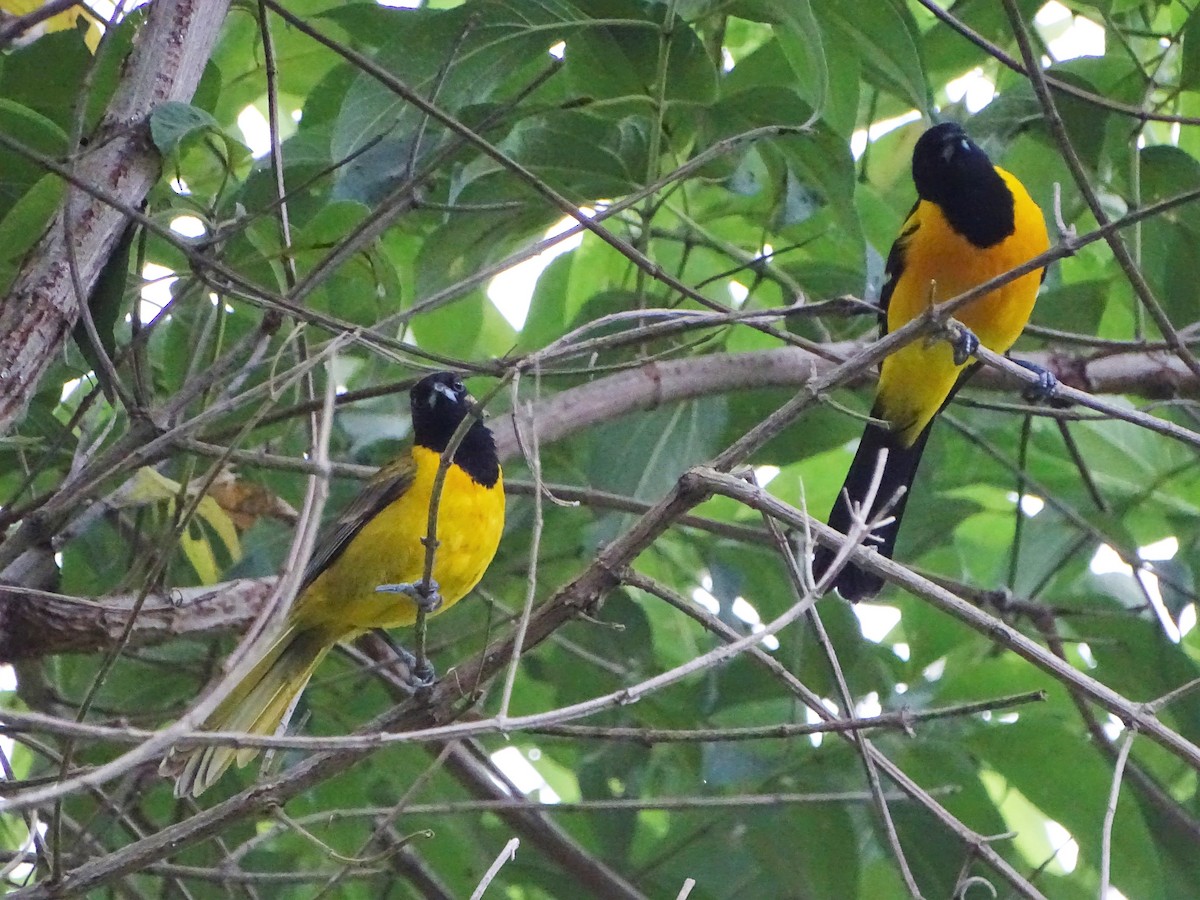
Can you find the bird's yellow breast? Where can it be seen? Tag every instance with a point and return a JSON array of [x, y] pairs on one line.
[[940, 264], [388, 550]]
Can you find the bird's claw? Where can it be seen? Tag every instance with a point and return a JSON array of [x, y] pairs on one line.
[[964, 342], [1041, 390], [420, 675], [428, 599]]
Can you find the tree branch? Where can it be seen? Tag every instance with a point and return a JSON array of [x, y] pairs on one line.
[[42, 305], [38, 623], [1155, 375]]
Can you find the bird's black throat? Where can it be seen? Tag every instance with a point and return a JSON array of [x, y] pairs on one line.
[[476, 455], [981, 209]]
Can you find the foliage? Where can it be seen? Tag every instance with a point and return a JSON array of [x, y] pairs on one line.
[[736, 128]]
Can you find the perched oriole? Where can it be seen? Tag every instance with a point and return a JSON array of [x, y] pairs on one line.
[[376, 543], [972, 221]]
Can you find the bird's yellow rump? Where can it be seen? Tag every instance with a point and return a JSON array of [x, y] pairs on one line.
[[376, 542], [972, 221]]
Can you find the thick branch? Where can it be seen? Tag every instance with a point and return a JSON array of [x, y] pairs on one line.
[[37, 623], [1156, 375], [42, 306]]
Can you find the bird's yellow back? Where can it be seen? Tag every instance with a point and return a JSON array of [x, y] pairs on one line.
[[388, 550]]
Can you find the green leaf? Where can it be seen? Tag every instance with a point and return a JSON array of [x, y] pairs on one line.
[[26, 222], [644, 457], [890, 43], [803, 44], [819, 159], [947, 55], [1018, 752], [1177, 584], [108, 301], [172, 122], [618, 58], [24, 79], [496, 48], [825, 862], [1189, 57], [18, 173], [565, 287], [582, 155]]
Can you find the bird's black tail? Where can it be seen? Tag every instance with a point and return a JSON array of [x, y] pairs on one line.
[[852, 582]]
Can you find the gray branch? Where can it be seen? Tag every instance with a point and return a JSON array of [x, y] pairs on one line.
[[42, 306]]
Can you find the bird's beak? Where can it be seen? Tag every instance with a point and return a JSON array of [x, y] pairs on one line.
[[446, 391]]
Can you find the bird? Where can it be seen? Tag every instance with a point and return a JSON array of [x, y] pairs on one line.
[[971, 222], [366, 572]]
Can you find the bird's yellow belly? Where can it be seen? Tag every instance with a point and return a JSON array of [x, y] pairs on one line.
[[388, 550], [916, 380]]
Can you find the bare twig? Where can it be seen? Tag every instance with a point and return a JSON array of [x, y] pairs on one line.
[[1134, 715], [1141, 287], [535, 466], [509, 852], [1110, 812]]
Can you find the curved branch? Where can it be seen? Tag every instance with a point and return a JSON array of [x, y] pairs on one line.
[[1155, 375], [38, 623], [42, 306]]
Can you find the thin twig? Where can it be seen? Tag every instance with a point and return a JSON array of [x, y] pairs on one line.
[[1141, 287], [975, 844], [535, 542], [509, 852], [430, 541], [16, 723], [1110, 812], [1134, 715]]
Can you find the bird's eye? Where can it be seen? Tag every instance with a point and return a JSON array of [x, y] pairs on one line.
[[458, 386]]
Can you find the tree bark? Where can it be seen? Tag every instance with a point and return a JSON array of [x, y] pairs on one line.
[[38, 623], [43, 306]]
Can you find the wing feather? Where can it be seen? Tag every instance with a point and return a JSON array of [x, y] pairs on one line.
[[894, 267], [386, 486]]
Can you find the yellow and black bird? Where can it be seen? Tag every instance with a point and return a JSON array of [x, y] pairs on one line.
[[365, 572], [972, 221]]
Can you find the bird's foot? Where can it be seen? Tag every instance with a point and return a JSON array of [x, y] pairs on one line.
[[427, 597], [420, 674], [963, 341], [1042, 390]]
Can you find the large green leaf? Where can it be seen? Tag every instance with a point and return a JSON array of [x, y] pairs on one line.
[[891, 52]]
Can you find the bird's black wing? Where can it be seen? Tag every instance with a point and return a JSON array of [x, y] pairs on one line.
[[894, 267], [386, 486]]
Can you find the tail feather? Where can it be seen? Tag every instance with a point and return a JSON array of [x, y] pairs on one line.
[[259, 704], [852, 582]]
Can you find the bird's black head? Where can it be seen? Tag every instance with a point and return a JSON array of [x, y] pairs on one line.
[[951, 170], [439, 403]]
